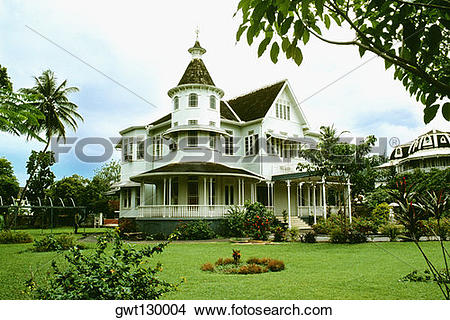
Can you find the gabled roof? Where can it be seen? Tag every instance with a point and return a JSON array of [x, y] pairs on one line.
[[256, 104], [167, 117], [196, 73], [226, 113]]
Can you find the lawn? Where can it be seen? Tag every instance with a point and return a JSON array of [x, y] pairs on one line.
[[313, 271]]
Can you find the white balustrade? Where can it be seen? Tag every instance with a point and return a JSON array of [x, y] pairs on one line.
[[183, 211]]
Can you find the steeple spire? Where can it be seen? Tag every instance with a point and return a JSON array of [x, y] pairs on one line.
[[197, 51]]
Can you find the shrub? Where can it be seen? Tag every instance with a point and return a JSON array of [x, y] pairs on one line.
[[294, 234], [258, 221], [321, 227], [380, 214], [356, 237], [338, 235], [54, 243], [364, 225], [127, 225], [233, 224], [279, 234], [391, 230], [207, 267], [250, 269], [157, 236], [222, 261], [7, 237], [309, 237], [195, 230], [416, 276], [121, 273], [275, 265], [442, 229], [262, 261]]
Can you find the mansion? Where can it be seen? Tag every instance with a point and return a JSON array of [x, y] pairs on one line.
[[208, 154]]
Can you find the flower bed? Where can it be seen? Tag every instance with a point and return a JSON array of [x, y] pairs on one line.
[[251, 266]]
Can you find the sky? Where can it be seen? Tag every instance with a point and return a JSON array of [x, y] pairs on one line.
[[125, 56]]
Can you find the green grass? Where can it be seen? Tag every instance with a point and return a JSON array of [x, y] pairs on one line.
[[313, 271]]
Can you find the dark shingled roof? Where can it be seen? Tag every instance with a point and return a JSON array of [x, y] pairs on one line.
[[200, 167], [226, 113], [196, 73], [167, 117], [256, 104]]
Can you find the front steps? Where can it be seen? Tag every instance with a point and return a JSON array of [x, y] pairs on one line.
[[299, 223]]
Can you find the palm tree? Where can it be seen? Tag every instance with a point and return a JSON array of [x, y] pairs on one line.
[[58, 112]]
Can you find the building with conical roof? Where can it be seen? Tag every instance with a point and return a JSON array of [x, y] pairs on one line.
[[208, 154]]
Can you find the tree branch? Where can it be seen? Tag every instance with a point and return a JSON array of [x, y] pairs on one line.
[[419, 4], [343, 43]]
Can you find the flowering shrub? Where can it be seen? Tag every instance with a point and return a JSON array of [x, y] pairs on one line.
[[236, 256], [122, 273], [233, 224], [195, 230], [207, 267], [258, 221]]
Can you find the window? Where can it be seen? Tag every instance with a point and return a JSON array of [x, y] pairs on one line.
[[193, 100], [212, 123], [192, 139], [229, 195], [277, 113], [127, 149], [192, 191], [270, 141], [126, 198], [229, 143], [212, 102], [251, 145], [212, 140], [173, 146], [157, 147], [141, 150], [137, 199], [192, 122], [283, 110], [176, 103], [288, 108]]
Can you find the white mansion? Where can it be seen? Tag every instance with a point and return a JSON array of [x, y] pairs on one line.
[[208, 154]]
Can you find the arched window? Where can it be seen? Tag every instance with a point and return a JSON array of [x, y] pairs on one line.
[[193, 100], [176, 103], [212, 102]]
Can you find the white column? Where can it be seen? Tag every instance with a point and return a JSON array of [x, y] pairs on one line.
[[309, 198], [205, 194], [142, 194], [243, 191], [272, 198], [170, 191], [314, 203], [297, 200], [349, 191], [239, 191], [288, 182], [324, 198], [164, 194], [210, 191], [268, 193]]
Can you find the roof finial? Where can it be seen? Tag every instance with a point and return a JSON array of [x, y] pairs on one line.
[[197, 31]]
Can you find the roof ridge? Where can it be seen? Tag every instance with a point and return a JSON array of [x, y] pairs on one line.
[[256, 90]]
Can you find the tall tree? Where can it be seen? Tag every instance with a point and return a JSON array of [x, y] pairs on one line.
[[337, 158], [17, 115], [9, 186], [413, 36], [43, 178], [51, 99]]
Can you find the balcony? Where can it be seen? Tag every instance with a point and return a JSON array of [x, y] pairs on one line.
[[183, 211]]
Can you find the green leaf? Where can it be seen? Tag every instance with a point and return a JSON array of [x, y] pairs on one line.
[[240, 32], [305, 36], [319, 6], [387, 64], [298, 28], [250, 35], [431, 99], [286, 25], [446, 111], [274, 52], [327, 21], [263, 45], [362, 51], [298, 56], [259, 11], [429, 113], [434, 37], [305, 9], [285, 44]]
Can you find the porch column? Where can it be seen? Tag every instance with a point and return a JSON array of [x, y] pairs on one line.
[[298, 200], [210, 191], [314, 204], [164, 193], [324, 197], [205, 196], [349, 191], [243, 191], [170, 191], [288, 182], [309, 197], [272, 199], [268, 193], [141, 190], [239, 191]]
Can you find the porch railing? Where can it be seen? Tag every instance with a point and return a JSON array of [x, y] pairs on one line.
[[183, 211], [304, 211]]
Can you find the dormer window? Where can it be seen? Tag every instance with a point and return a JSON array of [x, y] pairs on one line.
[[212, 102], [193, 100], [176, 103]]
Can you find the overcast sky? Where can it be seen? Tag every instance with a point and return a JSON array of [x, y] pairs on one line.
[[143, 46]]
